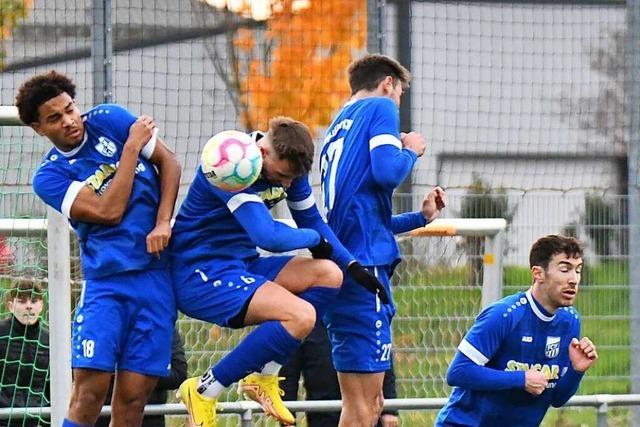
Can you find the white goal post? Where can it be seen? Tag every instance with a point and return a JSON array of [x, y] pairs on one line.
[[59, 289]]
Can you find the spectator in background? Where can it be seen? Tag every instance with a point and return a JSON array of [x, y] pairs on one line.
[[24, 354], [313, 362], [159, 394]]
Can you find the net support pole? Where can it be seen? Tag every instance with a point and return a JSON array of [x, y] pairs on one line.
[[632, 63], [492, 271], [102, 51], [59, 313], [375, 33]]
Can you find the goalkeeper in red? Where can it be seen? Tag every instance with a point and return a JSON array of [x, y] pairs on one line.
[[364, 158]]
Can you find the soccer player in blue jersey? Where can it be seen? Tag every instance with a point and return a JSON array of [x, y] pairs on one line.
[[364, 158], [220, 278], [524, 352], [101, 174]]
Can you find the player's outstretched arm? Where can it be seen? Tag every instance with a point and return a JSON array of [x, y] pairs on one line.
[[265, 232], [464, 372], [169, 173], [582, 355], [432, 204], [109, 208]]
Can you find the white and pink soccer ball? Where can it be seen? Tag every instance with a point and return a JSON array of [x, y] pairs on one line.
[[231, 160]]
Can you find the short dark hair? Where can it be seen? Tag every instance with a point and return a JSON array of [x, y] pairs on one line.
[[38, 90], [25, 288], [292, 141], [367, 72], [546, 247]]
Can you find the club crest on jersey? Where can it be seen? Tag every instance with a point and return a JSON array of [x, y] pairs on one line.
[[106, 147], [552, 349]]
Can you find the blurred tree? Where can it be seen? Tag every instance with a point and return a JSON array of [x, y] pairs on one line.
[[10, 12], [599, 219], [481, 201], [296, 65]]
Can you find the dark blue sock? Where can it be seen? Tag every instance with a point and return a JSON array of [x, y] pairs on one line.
[[269, 341], [67, 423], [320, 297]]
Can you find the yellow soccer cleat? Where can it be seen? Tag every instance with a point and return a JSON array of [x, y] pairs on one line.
[[265, 390], [202, 410]]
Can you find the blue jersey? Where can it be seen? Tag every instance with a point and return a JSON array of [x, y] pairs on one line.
[[362, 162], [105, 249], [216, 224], [512, 336]]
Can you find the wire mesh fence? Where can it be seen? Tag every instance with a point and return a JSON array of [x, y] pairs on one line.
[[522, 103]]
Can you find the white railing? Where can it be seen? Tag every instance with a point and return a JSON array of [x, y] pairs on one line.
[[246, 409]]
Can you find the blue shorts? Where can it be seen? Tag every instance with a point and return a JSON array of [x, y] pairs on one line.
[[125, 322], [359, 327], [217, 290]]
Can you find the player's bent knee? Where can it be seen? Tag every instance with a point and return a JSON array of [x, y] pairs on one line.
[[330, 274], [305, 318]]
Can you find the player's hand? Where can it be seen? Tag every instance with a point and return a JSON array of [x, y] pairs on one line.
[[434, 201], [322, 250], [159, 238], [535, 382], [141, 132], [583, 354], [413, 141], [389, 420], [364, 278]]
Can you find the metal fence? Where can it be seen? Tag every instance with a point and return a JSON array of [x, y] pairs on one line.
[[530, 109]]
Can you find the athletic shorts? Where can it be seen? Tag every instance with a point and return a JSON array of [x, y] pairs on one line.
[[125, 322], [216, 291], [359, 327]]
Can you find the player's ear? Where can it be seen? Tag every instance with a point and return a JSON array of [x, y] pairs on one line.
[[386, 85], [36, 127], [538, 274]]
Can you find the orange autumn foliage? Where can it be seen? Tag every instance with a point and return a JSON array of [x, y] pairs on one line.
[[10, 12], [304, 73]]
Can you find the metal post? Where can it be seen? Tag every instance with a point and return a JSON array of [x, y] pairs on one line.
[[632, 62], [492, 271], [602, 415], [246, 418], [59, 314], [375, 34], [102, 51]]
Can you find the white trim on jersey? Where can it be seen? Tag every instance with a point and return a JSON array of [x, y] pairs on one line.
[[472, 353], [70, 197], [75, 150], [540, 315], [239, 199], [384, 139], [147, 150], [301, 205]]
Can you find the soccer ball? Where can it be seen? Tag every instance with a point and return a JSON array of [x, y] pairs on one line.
[[231, 160]]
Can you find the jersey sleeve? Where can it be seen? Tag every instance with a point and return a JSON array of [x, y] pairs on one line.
[[390, 163], [56, 188], [486, 335], [408, 221], [305, 213], [252, 214], [119, 120]]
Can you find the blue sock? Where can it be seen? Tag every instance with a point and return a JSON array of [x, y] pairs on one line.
[[269, 341], [320, 297], [67, 423]]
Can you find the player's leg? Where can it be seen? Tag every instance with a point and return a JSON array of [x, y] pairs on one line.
[[87, 396], [229, 295], [95, 344], [317, 281], [359, 328], [146, 347], [361, 398], [130, 393]]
